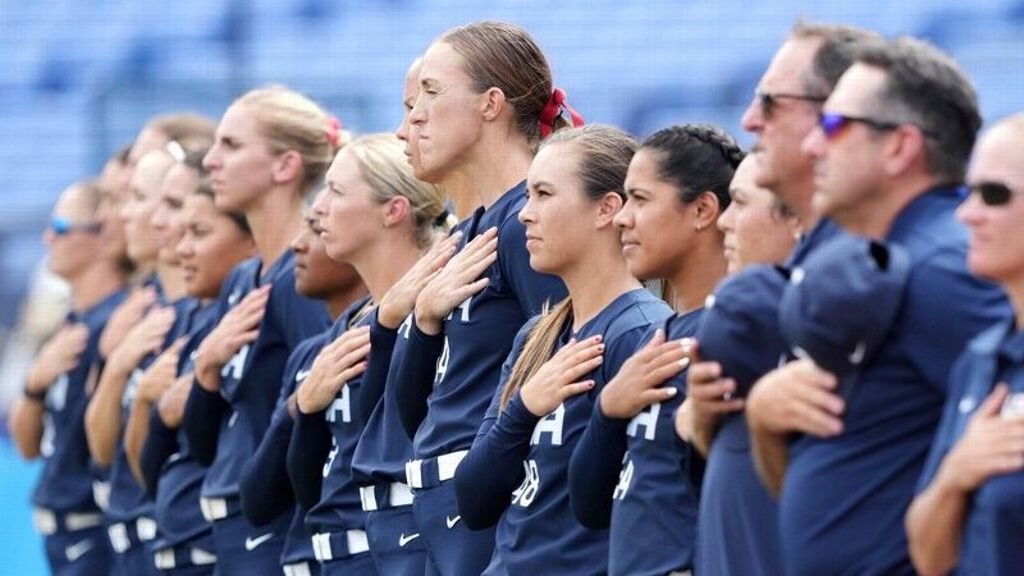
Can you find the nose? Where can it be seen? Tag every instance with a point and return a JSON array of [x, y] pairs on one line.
[[300, 245], [725, 221], [624, 218], [418, 114], [212, 158], [527, 215], [814, 143], [971, 211], [753, 117]]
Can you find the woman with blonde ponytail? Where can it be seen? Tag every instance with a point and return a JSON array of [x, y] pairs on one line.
[[271, 148], [560, 360]]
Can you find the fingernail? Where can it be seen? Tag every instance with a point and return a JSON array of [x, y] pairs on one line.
[[671, 391], [684, 362]]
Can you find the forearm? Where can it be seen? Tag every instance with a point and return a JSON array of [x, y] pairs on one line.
[[161, 442], [382, 345], [492, 470], [771, 458], [204, 411], [264, 486], [415, 378], [307, 451], [103, 415], [594, 469], [135, 432], [934, 524], [704, 430], [26, 426]]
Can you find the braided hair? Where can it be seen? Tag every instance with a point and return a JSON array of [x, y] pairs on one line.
[[697, 158]]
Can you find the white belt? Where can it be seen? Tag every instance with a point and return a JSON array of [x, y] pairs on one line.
[[145, 529], [446, 466], [399, 494], [297, 569], [213, 508], [49, 522], [166, 560], [101, 494], [355, 543]]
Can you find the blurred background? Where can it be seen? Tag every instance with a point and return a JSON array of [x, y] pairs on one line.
[[78, 78]]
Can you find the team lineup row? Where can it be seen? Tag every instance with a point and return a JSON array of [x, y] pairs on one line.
[[432, 352]]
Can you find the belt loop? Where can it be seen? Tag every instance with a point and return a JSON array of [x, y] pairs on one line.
[[368, 497], [119, 537], [413, 473], [145, 527]]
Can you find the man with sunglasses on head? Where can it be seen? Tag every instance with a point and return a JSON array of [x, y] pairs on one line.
[[737, 523], [48, 420], [890, 152]]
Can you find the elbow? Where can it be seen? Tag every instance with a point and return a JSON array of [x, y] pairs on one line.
[[929, 558], [28, 450], [472, 503], [590, 515]]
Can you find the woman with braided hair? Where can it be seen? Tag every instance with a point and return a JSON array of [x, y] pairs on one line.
[[486, 100], [629, 472]]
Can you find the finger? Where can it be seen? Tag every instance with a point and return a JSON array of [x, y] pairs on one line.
[[691, 347], [570, 390], [669, 353], [662, 373], [577, 371], [822, 400], [477, 267], [711, 391], [720, 406], [657, 340], [473, 288], [994, 402], [811, 419], [657, 395], [581, 354], [701, 373], [354, 356], [810, 373]]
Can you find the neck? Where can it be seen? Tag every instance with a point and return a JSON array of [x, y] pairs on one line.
[[93, 285], [799, 196], [342, 299], [172, 279], [1015, 292], [460, 192], [877, 216], [497, 167], [275, 221], [142, 272], [385, 262], [595, 283], [697, 277]]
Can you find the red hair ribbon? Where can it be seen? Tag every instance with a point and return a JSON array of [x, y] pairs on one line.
[[555, 107], [334, 131]]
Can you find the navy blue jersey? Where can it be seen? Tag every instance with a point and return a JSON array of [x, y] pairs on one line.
[[339, 507], [65, 484], [265, 487], [737, 525], [994, 527], [127, 498], [477, 336], [654, 512], [537, 533], [844, 498], [251, 381], [384, 447], [176, 484]]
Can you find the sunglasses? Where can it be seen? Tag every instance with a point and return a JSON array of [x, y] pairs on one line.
[[992, 193], [769, 100], [832, 123], [62, 226]]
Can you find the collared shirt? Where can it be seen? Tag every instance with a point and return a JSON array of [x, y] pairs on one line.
[[843, 500], [994, 529]]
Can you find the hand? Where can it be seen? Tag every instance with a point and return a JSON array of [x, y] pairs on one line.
[[160, 374], [709, 397], [339, 362], [458, 280], [798, 397], [127, 315], [58, 356], [171, 407], [557, 378], [240, 326], [639, 381], [991, 445], [146, 337], [401, 298]]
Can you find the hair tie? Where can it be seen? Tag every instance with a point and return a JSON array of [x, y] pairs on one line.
[[334, 131], [555, 108], [441, 219]]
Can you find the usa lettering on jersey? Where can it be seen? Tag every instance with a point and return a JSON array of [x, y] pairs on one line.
[[235, 368], [341, 405], [550, 424], [646, 419], [527, 491], [625, 479]]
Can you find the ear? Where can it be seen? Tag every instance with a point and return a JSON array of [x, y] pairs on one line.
[[906, 147], [607, 207], [395, 210], [706, 210], [287, 167], [493, 104]]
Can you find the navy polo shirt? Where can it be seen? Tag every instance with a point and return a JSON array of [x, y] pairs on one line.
[[844, 498], [994, 529], [65, 484]]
